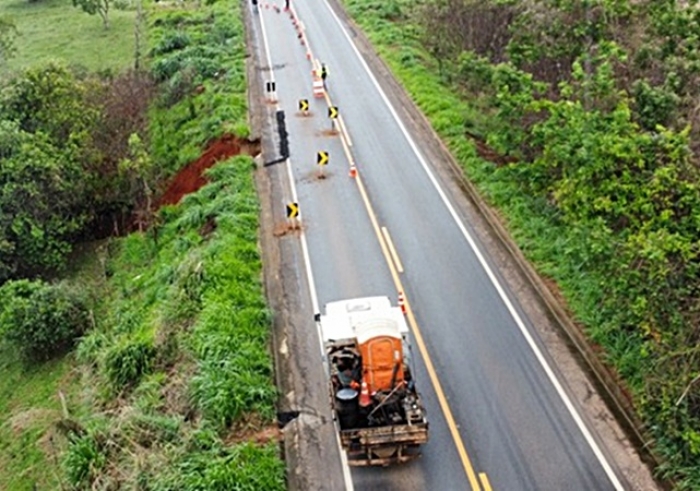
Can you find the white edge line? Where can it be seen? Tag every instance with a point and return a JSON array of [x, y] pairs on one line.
[[538, 354], [309, 275], [314, 305]]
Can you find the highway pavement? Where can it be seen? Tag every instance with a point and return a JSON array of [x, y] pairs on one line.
[[500, 418]]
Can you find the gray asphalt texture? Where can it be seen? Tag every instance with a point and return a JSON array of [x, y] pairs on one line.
[[513, 424]]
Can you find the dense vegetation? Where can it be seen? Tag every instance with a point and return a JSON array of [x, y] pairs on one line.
[[170, 385], [183, 348], [591, 107], [40, 320], [61, 172]]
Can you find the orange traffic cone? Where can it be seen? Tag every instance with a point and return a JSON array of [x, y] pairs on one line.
[[402, 302], [365, 399], [353, 171]]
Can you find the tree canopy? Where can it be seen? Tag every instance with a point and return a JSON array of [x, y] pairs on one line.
[[92, 7]]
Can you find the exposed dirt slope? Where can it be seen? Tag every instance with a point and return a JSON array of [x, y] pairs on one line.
[[191, 177]]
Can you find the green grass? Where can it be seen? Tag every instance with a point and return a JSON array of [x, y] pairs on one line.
[[181, 347], [29, 397], [177, 377], [55, 29], [29, 405], [29, 402], [196, 304]]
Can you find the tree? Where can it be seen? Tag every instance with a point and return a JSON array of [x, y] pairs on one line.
[[137, 170], [40, 203], [54, 100], [93, 7]]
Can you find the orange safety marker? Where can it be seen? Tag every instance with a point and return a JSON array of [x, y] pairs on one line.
[[402, 302], [308, 55], [353, 171], [318, 87], [365, 399]]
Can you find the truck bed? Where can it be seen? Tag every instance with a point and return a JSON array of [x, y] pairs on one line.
[[372, 446]]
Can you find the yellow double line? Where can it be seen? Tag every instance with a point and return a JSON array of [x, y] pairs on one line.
[[477, 483]]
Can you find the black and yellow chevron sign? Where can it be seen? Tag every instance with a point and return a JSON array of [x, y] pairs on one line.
[[322, 158], [303, 104], [292, 210], [333, 112]]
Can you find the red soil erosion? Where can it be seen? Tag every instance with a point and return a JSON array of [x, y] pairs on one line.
[[190, 178]]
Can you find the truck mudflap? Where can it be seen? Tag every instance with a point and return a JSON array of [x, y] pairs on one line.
[[384, 445]]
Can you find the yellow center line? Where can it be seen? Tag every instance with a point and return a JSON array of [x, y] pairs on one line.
[[392, 249], [452, 425], [442, 399], [485, 481], [344, 130]]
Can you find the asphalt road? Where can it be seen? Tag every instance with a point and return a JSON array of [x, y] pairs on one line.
[[512, 421]]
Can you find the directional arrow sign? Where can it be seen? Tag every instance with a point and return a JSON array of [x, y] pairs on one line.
[[303, 105], [333, 112], [292, 210], [322, 158]]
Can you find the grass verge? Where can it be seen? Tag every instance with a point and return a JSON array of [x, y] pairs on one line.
[[55, 29], [181, 360], [29, 405], [172, 389]]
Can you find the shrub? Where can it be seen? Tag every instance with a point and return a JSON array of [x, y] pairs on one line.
[[244, 467], [654, 105], [172, 42], [84, 459], [127, 362], [40, 320]]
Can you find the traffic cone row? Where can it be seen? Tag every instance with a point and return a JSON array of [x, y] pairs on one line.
[[299, 26]]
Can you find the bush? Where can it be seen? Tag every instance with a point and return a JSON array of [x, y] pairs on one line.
[[40, 320], [244, 467], [127, 362], [84, 459]]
